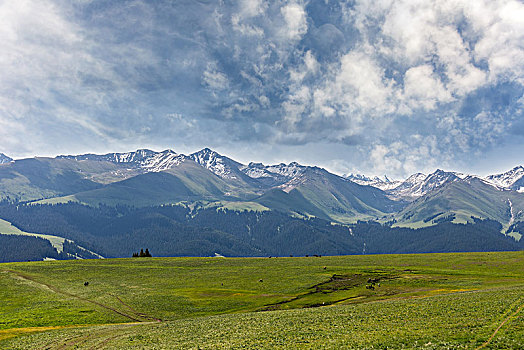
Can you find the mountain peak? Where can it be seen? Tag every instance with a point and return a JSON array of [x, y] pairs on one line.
[[383, 184], [5, 159], [419, 184], [278, 173], [512, 179], [207, 150], [218, 164], [144, 159]]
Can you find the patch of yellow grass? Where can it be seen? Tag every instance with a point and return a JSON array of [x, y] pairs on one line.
[[14, 332], [441, 291]]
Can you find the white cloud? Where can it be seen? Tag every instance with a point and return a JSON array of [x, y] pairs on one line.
[[296, 21], [296, 105], [394, 69], [252, 8], [424, 31], [423, 88], [501, 42], [361, 82], [310, 66], [246, 29], [355, 87], [43, 55], [415, 153], [215, 79]]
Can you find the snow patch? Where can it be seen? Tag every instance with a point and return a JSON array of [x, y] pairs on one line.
[[507, 179]]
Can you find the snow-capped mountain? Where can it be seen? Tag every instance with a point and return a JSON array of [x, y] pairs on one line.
[[218, 164], [512, 179], [412, 188], [419, 184], [145, 177], [273, 175], [147, 160], [384, 184], [262, 176], [5, 159], [259, 170], [150, 161]]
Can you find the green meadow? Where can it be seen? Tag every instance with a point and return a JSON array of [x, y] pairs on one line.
[[429, 301]]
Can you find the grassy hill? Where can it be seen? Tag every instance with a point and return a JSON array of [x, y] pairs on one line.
[[436, 300]]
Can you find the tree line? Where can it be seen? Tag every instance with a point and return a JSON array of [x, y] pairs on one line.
[[175, 230]]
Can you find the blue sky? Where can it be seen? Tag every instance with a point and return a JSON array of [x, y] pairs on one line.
[[376, 87]]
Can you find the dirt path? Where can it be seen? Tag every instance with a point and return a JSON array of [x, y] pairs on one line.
[[94, 335], [140, 314], [500, 326], [56, 290]]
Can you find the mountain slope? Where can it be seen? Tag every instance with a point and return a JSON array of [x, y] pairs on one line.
[[144, 159], [36, 178], [418, 185], [512, 179], [338, 198], [187, 182], [461, 199], [383, 184], [226, 168], [273, 175], [290, 202]]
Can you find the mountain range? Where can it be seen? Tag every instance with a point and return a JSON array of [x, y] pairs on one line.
[[207, 179]]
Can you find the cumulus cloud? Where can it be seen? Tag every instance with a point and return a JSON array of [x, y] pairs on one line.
[[296, 21], [423, 88], [398, 85]]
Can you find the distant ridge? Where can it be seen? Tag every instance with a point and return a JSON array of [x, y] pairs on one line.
[[142, 158], [207, 176], [512, 179]]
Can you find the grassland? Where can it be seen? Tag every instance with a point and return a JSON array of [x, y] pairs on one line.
[[428, 301]]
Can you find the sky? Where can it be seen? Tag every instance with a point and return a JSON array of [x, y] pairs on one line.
[[373, 87]]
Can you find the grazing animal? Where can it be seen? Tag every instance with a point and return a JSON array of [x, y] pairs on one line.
[[325, 267], [260, 280], [86, 284]]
